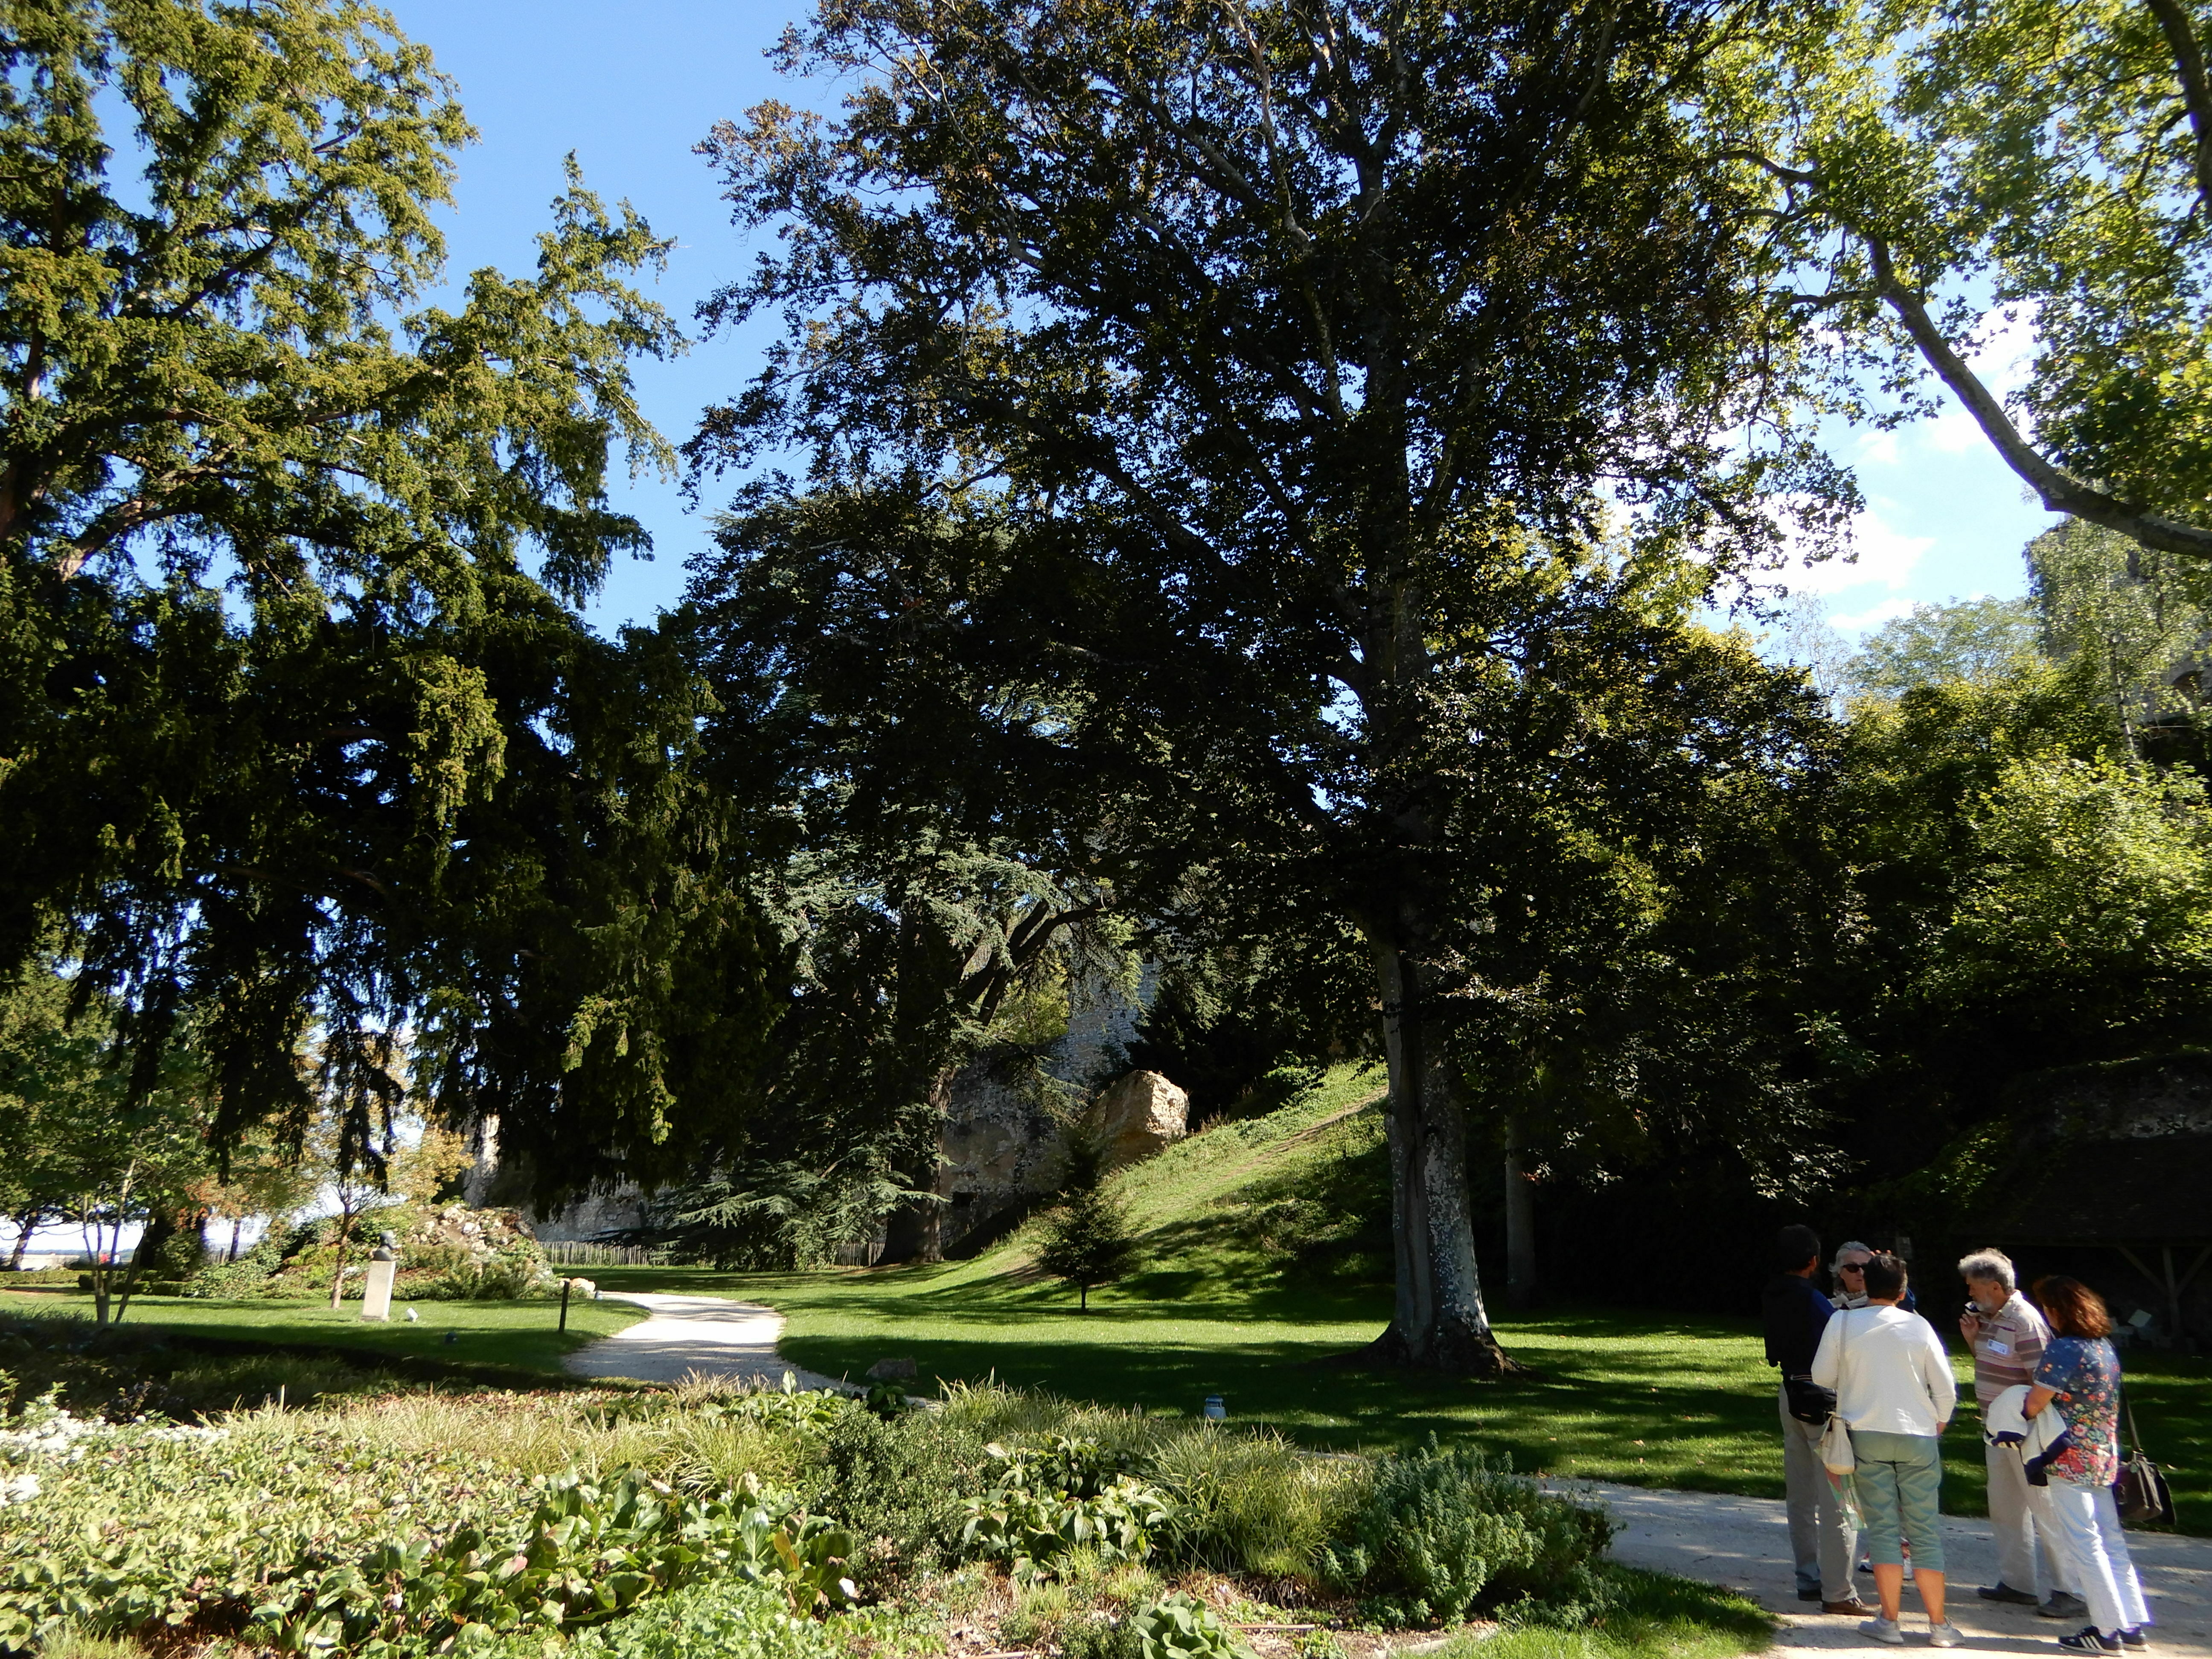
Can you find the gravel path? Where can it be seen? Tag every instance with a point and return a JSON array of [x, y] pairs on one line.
[[1744, 1543], [706, 1335]]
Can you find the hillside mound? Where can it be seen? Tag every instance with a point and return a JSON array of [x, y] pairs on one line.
[[1300, 1197]]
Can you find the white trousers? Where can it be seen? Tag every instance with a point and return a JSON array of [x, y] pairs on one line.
[[2097, 1554], [2020, 1516]]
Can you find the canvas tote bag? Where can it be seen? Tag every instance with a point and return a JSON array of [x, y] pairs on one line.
[[1836, 1455]]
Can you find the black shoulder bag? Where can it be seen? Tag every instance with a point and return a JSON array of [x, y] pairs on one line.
[[2140, 1492]]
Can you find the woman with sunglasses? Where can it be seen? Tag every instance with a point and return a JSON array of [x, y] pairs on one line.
[[1849, 1272]]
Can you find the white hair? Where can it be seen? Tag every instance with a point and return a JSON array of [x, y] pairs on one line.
[[1991, 1264], [1843, 1250]]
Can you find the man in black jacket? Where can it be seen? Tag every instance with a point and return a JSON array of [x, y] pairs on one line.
[[1821, 1538]]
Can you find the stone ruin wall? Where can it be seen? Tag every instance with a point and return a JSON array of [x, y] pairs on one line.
[[1000, 1152]]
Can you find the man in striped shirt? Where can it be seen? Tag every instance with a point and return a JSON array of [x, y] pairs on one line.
[[2007, 1335]]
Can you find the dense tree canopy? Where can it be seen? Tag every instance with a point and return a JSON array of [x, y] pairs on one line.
[[295, 731], [1289, 364]]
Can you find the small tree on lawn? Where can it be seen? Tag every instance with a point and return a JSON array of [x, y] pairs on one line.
[[1087, 1239]]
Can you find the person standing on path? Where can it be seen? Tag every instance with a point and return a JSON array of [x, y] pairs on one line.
[[2007, 1336], [1895, 1393], [2080, 1373], [1821, 1541]]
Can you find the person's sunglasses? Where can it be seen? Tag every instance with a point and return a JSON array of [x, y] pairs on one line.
[[1852, 1268]]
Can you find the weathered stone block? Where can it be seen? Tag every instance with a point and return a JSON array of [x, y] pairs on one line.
[[1138, 1114]]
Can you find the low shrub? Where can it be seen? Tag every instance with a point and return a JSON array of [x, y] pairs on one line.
[[899, 1483], [1439, 1533], [1040, 1505], [249, 1275], [126, 1525]]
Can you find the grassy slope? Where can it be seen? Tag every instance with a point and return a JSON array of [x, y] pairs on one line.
[[521, 1335], [1241, 1226]]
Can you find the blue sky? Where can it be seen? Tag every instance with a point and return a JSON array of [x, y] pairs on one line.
[[631, 86]]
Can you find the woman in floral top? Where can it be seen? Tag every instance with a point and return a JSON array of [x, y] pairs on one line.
[[2081, 1374]]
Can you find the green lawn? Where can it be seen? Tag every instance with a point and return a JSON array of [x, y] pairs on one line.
[[1619, 1394], [513, 1335], [1258, 1253]]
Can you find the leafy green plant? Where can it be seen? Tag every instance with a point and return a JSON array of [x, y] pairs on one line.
[[588, 1553], [1179, 1626], [718, 1619], [1043, 1504], [1440, 1533]]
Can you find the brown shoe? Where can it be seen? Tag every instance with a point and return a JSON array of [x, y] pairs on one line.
[[1854, 1607]]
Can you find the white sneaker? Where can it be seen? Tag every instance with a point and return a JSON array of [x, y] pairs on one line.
[[1945, 1635], [1883, 1629]]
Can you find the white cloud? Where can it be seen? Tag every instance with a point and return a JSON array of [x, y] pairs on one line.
[[1885, 555], [1952, 433], [1862, 621], [1879, 448]]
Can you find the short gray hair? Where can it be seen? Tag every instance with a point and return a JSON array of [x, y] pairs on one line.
[[1845, 1249], [1992, 1264]]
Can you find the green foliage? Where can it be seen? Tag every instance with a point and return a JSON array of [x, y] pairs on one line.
[[1438, 1533], [2129, 615], [1041, 1505], [724, 1618], [1949, 171], [1976, 641], [1085, 1238], [2090, 885], [897, 1483], [302, 732], [1249, 1503], [587, 1554], [758, 1214], [157, 1523], [1179, 1627]]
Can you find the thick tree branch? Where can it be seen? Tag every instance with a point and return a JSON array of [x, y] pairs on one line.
[[2059, 491], [2195, 96]]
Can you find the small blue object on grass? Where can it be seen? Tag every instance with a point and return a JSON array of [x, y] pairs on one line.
[[451, 1337], [1215, 1411]]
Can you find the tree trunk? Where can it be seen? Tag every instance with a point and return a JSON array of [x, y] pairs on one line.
[[25, 1221], [1439, 1322], [237, 1227], [1520, 1225], [337, 1272]]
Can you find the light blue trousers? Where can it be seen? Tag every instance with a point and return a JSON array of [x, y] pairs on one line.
[[1899, 1481]]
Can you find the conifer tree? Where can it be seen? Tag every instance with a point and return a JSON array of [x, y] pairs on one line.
[[1087, 1238]]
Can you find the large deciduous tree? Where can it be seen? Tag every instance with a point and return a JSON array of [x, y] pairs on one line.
[[1286, 361]]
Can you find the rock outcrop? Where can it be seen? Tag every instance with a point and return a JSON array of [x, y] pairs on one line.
[[1137, 1115]]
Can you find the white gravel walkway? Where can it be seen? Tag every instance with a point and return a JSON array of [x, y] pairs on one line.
[[687, 1335], [1744, 1543]]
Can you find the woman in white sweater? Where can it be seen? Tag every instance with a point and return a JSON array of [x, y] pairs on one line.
[[1895, 1393]]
